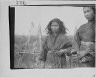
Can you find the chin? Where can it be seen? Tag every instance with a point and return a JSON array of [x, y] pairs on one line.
[[89, 19]]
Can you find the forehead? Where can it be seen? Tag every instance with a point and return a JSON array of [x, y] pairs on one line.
[[87, 8], [54, 23]]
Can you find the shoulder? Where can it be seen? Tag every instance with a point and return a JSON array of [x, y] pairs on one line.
[[82, 27], [67, 40], [46, 37], [64, 36]]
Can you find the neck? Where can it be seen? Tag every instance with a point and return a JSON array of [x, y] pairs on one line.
[[91, 21], [55, 34]]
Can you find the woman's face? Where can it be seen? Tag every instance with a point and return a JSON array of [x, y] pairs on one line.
[[89, 13], [55, 27]]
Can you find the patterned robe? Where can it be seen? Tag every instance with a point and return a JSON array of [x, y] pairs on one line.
[[55, 43], [85, 38]]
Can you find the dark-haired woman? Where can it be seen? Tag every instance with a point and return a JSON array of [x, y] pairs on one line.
[[55, 46], [85, 38]]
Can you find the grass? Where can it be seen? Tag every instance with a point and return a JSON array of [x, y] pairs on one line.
[[28, 59]]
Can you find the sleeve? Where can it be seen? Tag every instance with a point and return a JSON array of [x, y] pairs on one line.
[[91, 51], [68, 46], [90, 54], [44, 51], [77, 40]]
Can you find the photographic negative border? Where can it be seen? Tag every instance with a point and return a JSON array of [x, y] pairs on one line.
[[12, 24]]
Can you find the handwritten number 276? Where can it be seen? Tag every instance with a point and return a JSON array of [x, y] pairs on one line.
[[20, 3]]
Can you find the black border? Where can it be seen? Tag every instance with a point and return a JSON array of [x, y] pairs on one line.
[[11, 31]]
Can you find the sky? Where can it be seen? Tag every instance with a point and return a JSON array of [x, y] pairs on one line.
[[29, 18]]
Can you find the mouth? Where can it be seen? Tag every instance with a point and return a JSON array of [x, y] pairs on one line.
[[54, 30], [89, 18]]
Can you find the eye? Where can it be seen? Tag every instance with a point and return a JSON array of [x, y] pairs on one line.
[[52, 25], [55, 25], [84, 11], [88, 10]]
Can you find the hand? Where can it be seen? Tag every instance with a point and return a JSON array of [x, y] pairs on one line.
[[63, 50], [52, 51], [73, 51], [74, 56], [59, 53], [82, 53]]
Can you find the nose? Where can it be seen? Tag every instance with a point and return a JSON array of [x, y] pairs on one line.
[[53, 27], [86, 14]]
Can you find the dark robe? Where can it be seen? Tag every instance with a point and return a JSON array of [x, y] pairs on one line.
[[55, 43], [86, 33]]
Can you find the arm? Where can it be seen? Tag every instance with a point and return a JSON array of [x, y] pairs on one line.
[[77, 40], [90, 51], [44, 50], [78, 43], [67, 48]]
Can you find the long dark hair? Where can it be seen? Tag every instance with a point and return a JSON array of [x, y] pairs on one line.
[[62, 28]]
